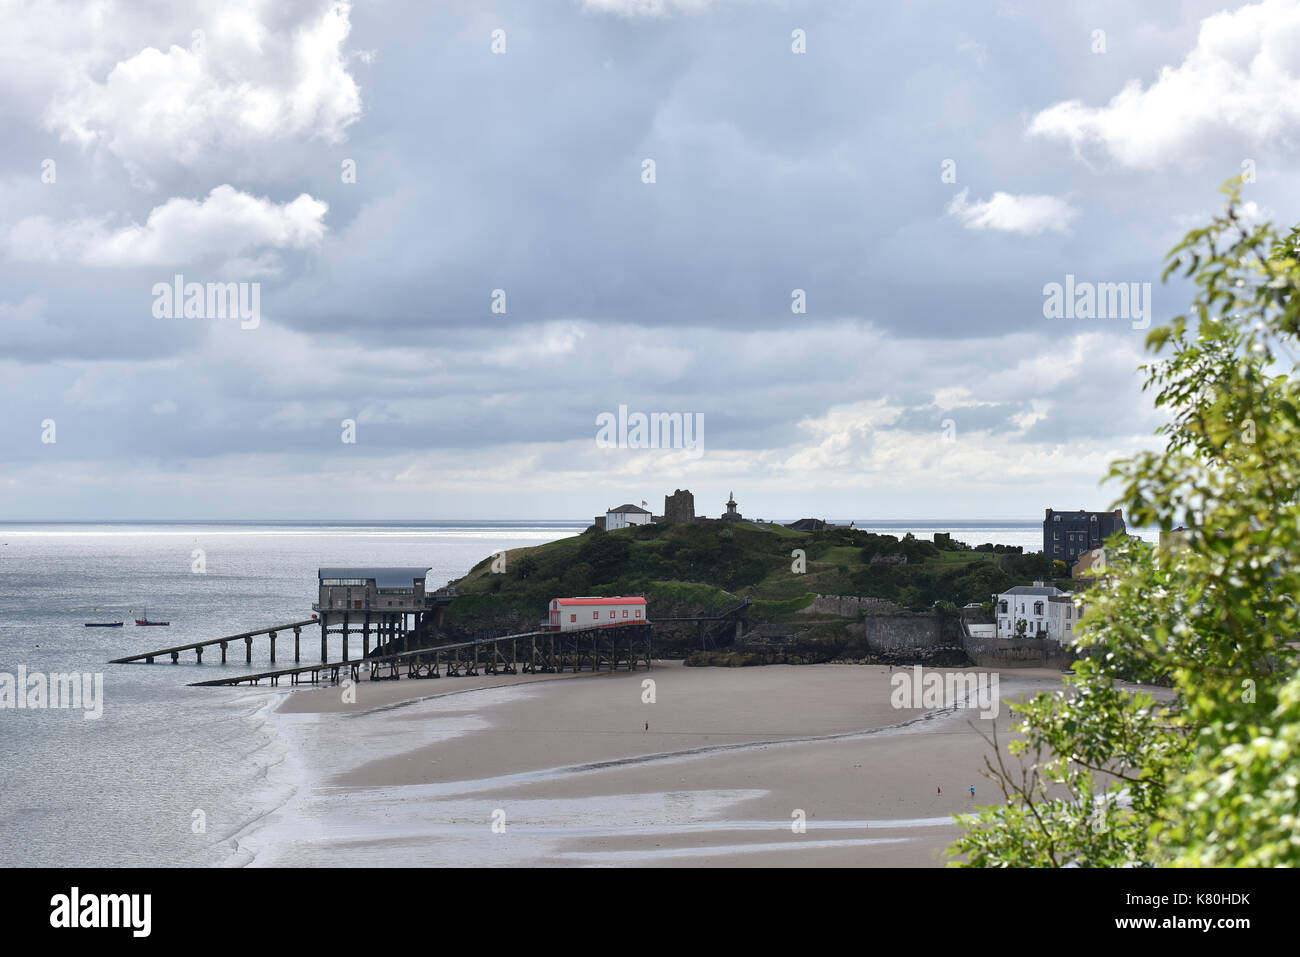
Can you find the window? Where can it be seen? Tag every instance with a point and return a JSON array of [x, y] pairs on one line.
[[1069, 610], [1038, 608], [1068, 627], [624, 612], [1056, 518], [638, 612], [573, 618], [595, 615], [1003, 607], [611, 614]]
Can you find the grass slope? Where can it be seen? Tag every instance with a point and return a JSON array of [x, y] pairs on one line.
[[706, 567]]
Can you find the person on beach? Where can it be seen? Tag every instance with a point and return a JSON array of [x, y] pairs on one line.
[[647, 725], [938, 790], [972, 790]]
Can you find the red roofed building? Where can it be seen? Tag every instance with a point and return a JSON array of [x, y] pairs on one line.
[[576, 614]]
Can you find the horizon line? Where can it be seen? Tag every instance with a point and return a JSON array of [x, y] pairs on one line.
[[420, 521]]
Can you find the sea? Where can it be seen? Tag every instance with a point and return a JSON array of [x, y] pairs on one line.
[[168, 774]]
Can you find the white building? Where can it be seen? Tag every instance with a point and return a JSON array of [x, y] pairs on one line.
[[1046, 611], [626, 515]]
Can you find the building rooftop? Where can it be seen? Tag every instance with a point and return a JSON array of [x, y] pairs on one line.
[[1038, 589], [617, 600], [400, 576], [630, 508]]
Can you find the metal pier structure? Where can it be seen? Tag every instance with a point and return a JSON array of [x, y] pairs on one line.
[[392, 625], [245, 636], [533, 652]]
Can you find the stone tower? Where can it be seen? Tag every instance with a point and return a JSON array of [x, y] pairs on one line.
[[732, 515], [680, 506]]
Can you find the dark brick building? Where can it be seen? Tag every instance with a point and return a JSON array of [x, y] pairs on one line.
[[1067, 535]]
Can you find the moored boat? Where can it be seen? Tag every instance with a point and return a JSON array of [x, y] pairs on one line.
[[103, 624]]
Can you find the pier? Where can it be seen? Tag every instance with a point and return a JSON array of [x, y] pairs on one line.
[[389, 605], [245, 636], [533, 652]]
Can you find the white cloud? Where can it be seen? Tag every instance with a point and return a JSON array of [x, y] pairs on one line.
[[1027, 214], [180, 231], [978, 51], [238, 84], [1241, 78], [552, 341], [648, 8]]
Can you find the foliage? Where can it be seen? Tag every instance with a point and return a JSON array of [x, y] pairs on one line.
[[738, 559], [1209, 774]]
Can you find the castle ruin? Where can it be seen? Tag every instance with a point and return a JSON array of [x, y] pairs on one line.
[[679, 507]]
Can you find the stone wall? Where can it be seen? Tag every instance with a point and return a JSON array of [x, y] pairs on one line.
[[848, 606], [1016, 652], [902, 634]]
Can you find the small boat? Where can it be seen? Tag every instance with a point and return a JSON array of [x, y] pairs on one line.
[[145, 621], [103, 624]]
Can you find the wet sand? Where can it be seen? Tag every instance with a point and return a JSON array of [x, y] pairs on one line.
[[561, 770]]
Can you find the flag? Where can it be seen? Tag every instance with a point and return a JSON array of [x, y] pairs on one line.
[[643, 501]]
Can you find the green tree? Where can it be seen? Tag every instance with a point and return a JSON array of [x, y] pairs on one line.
[[1206, 773]]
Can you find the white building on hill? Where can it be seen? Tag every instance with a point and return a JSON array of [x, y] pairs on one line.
[[1046, 611], [626, 515]]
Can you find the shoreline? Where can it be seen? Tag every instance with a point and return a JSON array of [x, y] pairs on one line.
[[534, 771]]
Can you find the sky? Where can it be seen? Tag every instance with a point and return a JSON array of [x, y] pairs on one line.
[[466, 233]]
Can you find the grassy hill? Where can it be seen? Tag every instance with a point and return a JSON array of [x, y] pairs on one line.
[[706, 567]]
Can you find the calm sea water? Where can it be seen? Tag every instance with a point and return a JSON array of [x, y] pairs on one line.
[[132, 787]]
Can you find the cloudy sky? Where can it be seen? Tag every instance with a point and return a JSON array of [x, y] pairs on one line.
[[378, 171]]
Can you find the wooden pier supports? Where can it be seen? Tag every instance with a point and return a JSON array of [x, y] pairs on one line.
[[297, 633], [223, 652], [248, 650], [271, 635], [542, 651]]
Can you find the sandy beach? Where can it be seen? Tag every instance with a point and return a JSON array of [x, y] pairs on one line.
[[578, 770]]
